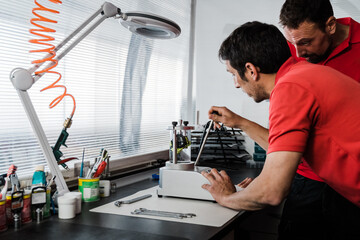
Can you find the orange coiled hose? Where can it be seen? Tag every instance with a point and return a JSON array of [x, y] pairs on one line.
[[44, 40]]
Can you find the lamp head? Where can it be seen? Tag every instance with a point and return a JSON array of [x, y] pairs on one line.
[[150, 25]]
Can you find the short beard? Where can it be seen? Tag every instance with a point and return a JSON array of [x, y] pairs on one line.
[[316, 58]]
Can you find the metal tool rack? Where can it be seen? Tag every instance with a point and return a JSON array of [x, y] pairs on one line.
[[223, 146]]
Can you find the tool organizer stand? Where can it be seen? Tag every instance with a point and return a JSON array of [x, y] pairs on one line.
[[223, 146]]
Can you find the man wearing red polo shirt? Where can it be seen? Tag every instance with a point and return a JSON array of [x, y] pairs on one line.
[[305, 122], [314, 35]]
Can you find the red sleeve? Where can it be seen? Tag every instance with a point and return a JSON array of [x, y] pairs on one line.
[[293, 112]]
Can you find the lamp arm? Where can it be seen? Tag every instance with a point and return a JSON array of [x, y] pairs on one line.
[[44, 144], [22, 80]]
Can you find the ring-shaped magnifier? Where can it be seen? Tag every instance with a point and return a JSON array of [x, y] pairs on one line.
[[150, 25]]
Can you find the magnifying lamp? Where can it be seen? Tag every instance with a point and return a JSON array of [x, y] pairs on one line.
[[145, 24], [150, 25]]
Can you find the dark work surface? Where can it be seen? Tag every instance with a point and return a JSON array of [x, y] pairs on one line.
[[67, 230], [90, 225]]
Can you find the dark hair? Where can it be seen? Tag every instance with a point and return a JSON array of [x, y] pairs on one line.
[[259, 43], [295, 12]]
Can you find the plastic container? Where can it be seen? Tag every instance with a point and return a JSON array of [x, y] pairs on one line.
[[113, 187], [66, 206], [77, 196], [104, 187], [46, 208], [3, 222], [89, 188], [25, 212], [39, 180]]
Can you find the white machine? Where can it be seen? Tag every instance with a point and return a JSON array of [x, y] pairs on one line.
[[183, 178], [183, 183]]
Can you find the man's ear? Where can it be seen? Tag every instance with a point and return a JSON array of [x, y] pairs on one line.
[[252, 72], [330, 25]]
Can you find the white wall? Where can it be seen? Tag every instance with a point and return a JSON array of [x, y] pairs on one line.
[[214, 21]]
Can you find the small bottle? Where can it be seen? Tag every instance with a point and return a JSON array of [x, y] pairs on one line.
[[39, 178]]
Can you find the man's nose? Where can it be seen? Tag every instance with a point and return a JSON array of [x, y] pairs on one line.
[[300, 51]]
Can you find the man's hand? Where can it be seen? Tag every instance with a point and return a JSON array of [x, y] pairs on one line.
[[220, 184], [255, 131], [225, 116]]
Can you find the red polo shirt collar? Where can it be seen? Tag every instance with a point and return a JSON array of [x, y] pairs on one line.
[[354, 36]]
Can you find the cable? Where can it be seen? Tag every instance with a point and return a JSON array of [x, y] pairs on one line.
[[44, 40]]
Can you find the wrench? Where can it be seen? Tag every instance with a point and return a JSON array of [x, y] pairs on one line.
[[144, 211]]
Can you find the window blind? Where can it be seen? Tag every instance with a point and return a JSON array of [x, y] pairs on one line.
[[94, 73]]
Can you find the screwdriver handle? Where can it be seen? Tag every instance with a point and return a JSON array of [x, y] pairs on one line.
[[100, 169]]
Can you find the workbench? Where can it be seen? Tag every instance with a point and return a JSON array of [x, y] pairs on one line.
[[91, 225]]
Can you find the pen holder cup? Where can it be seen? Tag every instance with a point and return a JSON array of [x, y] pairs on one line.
[[89, 188]]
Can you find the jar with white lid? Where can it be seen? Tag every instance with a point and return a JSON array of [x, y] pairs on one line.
[[67, 207], [77, 196]]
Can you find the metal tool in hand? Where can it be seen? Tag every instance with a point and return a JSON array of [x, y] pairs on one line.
[[210, 124], [144, 211], [118, 203]]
